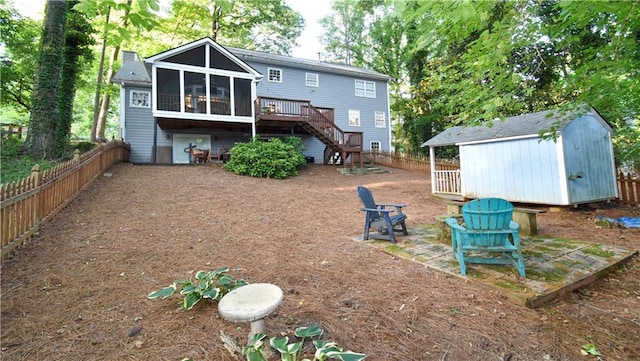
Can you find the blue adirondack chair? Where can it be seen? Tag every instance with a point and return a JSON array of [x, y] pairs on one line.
[[378, 216], [489, 230]]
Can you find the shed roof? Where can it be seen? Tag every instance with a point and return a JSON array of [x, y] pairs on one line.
[[531, 124]]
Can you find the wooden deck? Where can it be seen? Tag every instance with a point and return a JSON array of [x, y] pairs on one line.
[[340, 147]]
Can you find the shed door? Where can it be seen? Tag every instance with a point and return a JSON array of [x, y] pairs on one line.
[[181, 143], [589, 161]]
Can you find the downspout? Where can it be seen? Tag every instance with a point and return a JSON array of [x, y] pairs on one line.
[[155, 140], [123, 121]]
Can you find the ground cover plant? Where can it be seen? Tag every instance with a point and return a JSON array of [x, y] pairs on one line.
[[78, 290]]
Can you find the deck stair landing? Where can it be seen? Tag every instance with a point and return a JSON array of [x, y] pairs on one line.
[[554, 267], [340, 147]]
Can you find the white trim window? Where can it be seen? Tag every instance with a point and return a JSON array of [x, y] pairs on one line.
[[380, 120], [365, 88], [375, 146], [274, 75], [312, 79], [140, 99], [354, 117]]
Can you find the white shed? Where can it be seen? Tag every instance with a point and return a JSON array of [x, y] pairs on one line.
[[511, 160]]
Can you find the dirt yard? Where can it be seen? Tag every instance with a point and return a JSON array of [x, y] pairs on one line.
[[78, 290]]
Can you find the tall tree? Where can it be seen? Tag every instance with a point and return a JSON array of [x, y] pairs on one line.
[[344, 33], [269, 26], [44, 106], [78, 41], [491, 59], [120, 21]]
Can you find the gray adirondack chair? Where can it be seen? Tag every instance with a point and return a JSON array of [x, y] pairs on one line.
[[488, 235], [385, 218]]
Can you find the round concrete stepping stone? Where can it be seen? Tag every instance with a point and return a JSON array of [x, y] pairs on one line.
[[251, 303]]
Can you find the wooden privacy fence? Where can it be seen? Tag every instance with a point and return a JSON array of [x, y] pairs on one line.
[[27, 204], [449, 173], [628, 188]]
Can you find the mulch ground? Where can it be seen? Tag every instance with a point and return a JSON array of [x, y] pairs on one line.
[[77, 291]]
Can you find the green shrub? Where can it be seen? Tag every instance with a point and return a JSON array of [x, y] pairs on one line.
[[271, 159]]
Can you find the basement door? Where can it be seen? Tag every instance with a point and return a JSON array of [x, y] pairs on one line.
[[181, 143]]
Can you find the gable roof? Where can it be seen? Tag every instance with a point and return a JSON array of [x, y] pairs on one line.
[[289, 61], [194, 44], [136, 73], [521, 126]]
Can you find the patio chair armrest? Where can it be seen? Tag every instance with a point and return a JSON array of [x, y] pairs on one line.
[[377, 210], [453, 223], [397, 205], [514, 226]]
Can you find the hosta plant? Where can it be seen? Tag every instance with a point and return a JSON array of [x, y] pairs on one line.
[[325, 350], [203, 285]]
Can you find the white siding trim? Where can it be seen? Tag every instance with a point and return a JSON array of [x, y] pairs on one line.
[[562, 171], [123, 96], [498, 139]]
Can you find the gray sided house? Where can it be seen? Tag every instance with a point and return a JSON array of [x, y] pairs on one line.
[[511, 160], [210, 97]]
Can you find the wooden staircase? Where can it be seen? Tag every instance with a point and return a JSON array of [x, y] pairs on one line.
[[340, 147]]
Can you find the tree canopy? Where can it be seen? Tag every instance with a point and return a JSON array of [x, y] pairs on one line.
[[451, 62]]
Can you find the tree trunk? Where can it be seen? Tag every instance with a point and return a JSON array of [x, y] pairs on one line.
[[101, 111], [102, 118], [96, 98], [44, 106], [78, 42], [104, 107]]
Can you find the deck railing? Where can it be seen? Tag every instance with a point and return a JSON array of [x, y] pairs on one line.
[[27, 204]]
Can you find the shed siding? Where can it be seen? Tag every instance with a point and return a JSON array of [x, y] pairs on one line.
[[334, 91], [524, 170], [588, 161]]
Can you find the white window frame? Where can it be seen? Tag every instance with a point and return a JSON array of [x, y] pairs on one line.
[[354, 117], [140, 99], [377, 148], [365, 88], [274, 78], [312, 79], [380, 120]]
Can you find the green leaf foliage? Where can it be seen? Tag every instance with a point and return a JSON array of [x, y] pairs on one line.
[[163, 293], [310, 331], [325, 350], [472, 61], [267, 159], [212, 286], [270, 26]]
